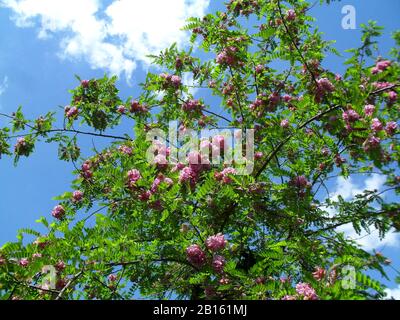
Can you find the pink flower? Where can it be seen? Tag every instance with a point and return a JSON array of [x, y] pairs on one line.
[[77, 196], [188, 174], [71, 112], [259, 68], [392, 96], [306, 291], [145, 196], [160, 161], [37, 256], [224, 281], [218, 264], [192, 105], [325, 151], [287, 98], [216, 242], [258, 155], [376, 125], [325, 85], [319, 273], [339, 160], [350, 116], [369, 110], [375, 70], [371, 143], [300, 182], [285, 123], [125, 150], [391, 128], [290, 15], [58, 212], [288, 297], [176, 81], [2, 261], [112, 278], [383, 65], [195, 255], [224, 175], [60, 266], [134, 175], [218, 141], [85, 83], [121, 109], [24, 262]]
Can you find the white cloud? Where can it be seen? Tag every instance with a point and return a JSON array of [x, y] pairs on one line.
[[395, 293], [115, 37], [348, 189]]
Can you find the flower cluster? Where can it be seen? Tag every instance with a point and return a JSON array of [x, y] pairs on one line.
[[381, 66], [192, 105], [58, 212], [227, 56], [137, 107], [71, 112], [305, 290], [133, 176], [216, 242], [171, 80], [196, 255]]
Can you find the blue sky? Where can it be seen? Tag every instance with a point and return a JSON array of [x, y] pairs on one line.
[[43, 43]]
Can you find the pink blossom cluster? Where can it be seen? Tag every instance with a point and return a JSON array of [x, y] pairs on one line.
[[173, 80], [339, 160], [133, 176], [227, 56], [71, 112], [137, 107], [58, 212], [86, 170], [350, 116], [260, 68], [216, 242], [381, 66], [392, 97], [300, 182], [290, 15], [125, 150], [60, 266], [192, 105], [225, 175], [77, 196], [381, 85], [85, 83], [369, 110], [121, 109], [218, 263], [324, 86], [24, 262], [20, 146], [391, 128], [196, 255], [376, 125], [371, 143], [285, 124], [306, 291], [158, 180], [319, 273]]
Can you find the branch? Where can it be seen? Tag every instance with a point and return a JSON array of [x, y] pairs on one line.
[[70, 282]]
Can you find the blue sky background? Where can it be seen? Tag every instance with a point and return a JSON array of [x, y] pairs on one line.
[[37, 69]]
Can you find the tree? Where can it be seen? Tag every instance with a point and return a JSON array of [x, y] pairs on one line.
[[197, 229]]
